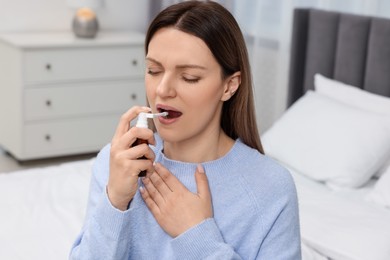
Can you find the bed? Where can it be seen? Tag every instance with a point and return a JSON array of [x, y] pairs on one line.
[[42, 210], [334, 138], [335, 135]]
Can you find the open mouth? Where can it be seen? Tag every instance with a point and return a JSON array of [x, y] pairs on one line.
[[171, 113]]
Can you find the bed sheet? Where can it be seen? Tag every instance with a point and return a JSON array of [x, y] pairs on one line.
[[309, 253], [42, 210], [342, 224]]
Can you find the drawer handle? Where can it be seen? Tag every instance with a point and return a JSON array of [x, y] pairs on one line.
[[48, 66], [48, 137], [134, 62], [48, 103], [133, 96]]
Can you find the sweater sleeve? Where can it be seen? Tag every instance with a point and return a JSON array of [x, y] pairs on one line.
[[102, 236], [204, 241], [282, 240]]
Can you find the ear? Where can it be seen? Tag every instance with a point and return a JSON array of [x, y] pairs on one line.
[[232, 83]]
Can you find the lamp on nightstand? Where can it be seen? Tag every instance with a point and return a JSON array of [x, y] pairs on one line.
[[85, 23]]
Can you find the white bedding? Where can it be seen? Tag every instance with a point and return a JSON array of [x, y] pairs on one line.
[[342, 224], [42, 210], [323, 136]]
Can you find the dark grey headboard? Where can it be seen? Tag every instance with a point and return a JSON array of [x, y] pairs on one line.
[[349, 48]]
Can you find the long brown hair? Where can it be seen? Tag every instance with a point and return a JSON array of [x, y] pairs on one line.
[[216, 26]]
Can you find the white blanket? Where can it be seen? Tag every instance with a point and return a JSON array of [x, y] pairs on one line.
[[42, 210], [342, 224]]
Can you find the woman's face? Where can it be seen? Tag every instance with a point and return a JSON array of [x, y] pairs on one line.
[[183, 78]]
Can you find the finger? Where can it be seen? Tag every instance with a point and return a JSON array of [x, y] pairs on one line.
[[141, 151], [138, 166], [137, 151], [124, 122], [130, 159], [171, 181], [202, 182], [154, 194], [129, 138], [150, 203], [160, 185], [143, 165]]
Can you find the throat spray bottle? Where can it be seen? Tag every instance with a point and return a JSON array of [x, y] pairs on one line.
[[142, 122]]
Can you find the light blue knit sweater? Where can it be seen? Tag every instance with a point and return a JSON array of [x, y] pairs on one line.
[[254, 204]]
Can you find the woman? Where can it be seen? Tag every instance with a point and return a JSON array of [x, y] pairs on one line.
[[210, 193]]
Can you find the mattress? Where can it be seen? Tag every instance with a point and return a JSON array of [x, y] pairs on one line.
[[341, 224], [42, 210]]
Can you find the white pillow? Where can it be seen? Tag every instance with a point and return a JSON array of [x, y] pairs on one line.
[[351, 95], [356, 97], [329, 141], [381, 192]]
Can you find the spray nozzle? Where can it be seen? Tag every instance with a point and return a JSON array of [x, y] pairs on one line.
[[143, 118], [149, 115]]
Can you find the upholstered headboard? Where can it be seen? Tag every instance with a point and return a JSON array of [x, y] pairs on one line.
[[350, 48]]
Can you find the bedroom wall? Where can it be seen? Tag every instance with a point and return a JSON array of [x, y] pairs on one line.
[[44, 15], [264, 63]]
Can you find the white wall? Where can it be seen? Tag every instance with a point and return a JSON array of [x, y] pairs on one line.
[[265, 79], [44, 15]]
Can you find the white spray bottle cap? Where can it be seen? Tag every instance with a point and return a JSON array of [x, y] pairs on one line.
[[142, 121]]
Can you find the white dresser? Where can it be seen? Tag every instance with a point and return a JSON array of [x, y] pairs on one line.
[[60, 95]]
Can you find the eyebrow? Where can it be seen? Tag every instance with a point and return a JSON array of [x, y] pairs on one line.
[[181, 66]]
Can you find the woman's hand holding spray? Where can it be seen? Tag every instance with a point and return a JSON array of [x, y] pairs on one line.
[[124, 164]]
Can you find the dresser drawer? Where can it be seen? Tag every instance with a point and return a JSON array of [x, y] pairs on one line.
[[64, 137], [56, 65], [80, 99]]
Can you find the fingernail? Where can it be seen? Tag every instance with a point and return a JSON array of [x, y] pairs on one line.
[[200, 168], [156, 165], [141, 189]]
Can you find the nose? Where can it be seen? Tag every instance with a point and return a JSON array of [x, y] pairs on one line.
[[166, 88]]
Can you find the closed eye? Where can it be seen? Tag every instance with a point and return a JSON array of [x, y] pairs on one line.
[[191, 80], [153, 72]]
